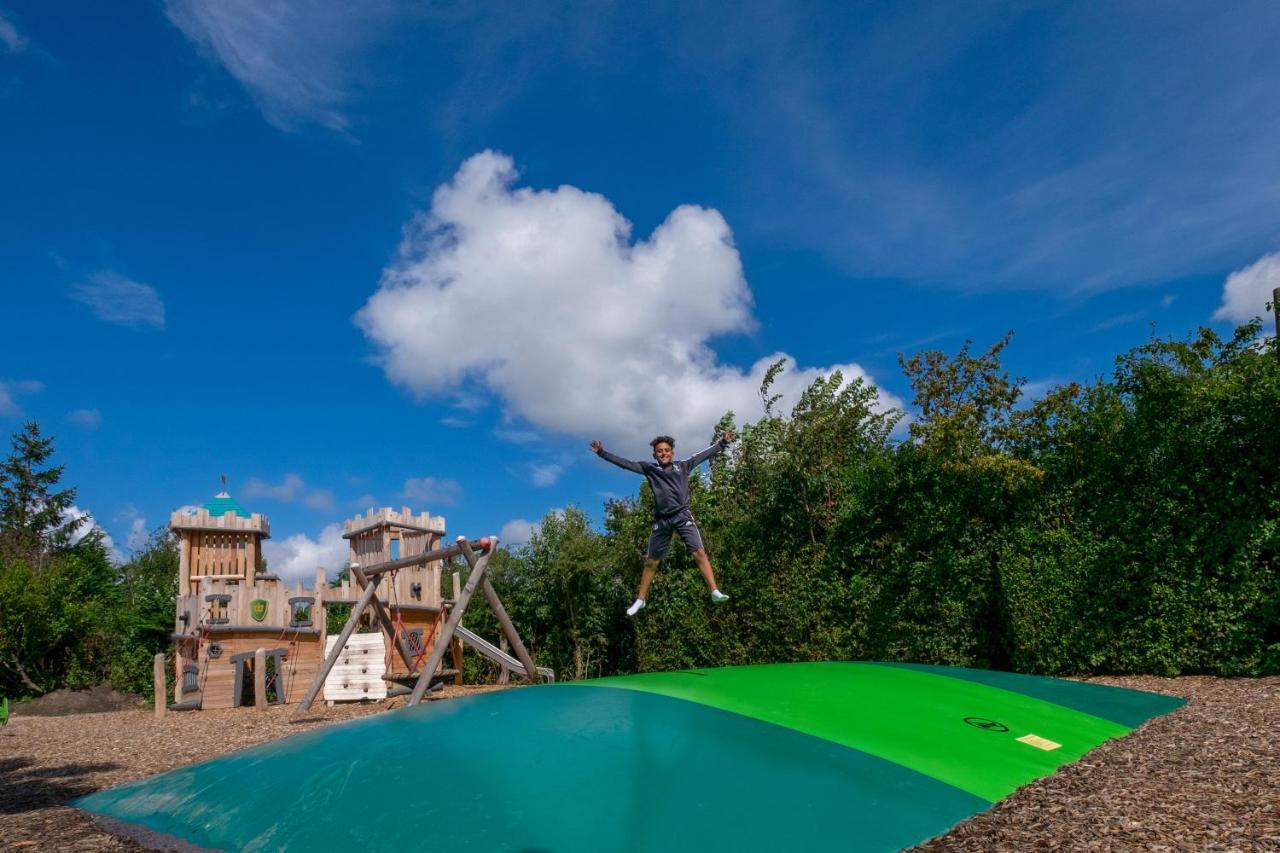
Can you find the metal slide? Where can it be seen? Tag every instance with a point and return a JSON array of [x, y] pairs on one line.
[[497, 655]]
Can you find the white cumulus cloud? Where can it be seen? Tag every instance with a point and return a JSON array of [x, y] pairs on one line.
[[138, 534], [542, 298], [516, 532], [75, 513], [116, 299], [1247, 291], [297, 557]]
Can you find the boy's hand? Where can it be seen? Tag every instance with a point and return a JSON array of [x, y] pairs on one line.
[[596, 446], [728, 436]]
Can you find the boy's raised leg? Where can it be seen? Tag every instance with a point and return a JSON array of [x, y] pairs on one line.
[[646, 578], [704, 565]]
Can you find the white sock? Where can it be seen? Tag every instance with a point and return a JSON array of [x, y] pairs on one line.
[[635, 607], [717, 596]]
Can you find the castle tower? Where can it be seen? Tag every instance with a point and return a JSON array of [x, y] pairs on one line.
[[373, 537], [413, 592], [227, 611], [219, 541]]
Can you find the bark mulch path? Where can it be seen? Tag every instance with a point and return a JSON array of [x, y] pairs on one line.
[[1204, 778]]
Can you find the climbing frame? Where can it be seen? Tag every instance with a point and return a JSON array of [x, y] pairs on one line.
[[372, 576]]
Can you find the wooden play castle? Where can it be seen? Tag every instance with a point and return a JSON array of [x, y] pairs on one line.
[[233, 618]]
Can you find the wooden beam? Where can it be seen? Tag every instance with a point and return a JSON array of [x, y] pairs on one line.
[[508, 629], [455, 616], [161, 692], [255, 628], [332, 659], [222, 577], [385, 619], [177, 672], [382, 522], [260, 679], [419, 559], [1275, 306], [184, 564], [455, 648], [504, 677]]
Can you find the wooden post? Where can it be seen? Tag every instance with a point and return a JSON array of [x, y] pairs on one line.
[[161, 692], [504, 677], [319, 614], [177, 673], [455, 648], [508, 629], [385, 620], [1275, 306], [455, 616], [184, 563], [260, 679], [347, 631], [455, 651]]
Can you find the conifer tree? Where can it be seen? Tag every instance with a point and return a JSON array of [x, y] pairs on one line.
[[34, 514]]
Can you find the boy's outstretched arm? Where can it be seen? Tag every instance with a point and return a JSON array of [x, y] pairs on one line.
[[703, 455], [598, 449]]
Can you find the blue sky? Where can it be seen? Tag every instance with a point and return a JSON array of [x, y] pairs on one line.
[[422, 253]]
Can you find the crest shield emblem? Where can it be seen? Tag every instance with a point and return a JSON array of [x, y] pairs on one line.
[[258, 609]]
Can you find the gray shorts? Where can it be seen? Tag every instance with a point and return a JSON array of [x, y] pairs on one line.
[[681, 523]]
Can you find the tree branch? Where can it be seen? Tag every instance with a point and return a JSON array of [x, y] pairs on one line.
[[12, 664]]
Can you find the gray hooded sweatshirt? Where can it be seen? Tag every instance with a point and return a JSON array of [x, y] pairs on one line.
[[670, 483]]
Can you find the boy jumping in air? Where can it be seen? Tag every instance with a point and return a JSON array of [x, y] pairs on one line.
[[669, 480]]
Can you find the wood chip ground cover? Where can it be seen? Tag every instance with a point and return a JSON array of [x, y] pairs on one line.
[[1203, 778]]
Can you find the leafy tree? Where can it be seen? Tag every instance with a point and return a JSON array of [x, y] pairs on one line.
[[59, 623], [768, 516], [577, 600], [1162, 494], [148, 585], [1130, 524], [965, 401], [68, 617]]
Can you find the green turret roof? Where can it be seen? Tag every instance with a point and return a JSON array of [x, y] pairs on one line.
[[222, 503]]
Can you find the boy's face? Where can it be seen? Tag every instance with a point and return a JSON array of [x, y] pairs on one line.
[[662, 453]]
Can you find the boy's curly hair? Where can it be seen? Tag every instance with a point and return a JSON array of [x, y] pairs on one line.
[[660, 439]]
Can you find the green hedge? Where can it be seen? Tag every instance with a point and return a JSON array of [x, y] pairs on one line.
[[1130, 525]]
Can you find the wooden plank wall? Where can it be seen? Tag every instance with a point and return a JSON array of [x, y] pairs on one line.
[[421, 620], [303, 658], [217, 675], [238, 610], [217, 546]]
